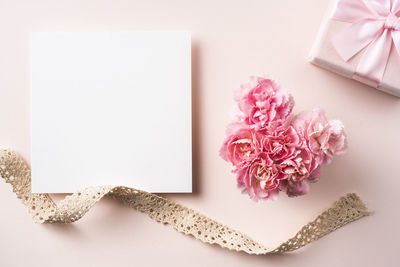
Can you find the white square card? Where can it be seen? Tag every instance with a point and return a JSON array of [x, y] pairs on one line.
[[111, 109]]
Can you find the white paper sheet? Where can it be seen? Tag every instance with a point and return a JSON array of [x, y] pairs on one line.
[[111, 109]]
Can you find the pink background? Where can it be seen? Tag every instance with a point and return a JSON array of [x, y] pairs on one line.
[[231, 41]]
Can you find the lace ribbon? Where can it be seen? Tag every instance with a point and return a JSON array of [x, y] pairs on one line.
[[43, 209]]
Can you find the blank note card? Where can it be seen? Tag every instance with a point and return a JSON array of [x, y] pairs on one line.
[[111, 109]]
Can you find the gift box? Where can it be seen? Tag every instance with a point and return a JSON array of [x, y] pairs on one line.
[[360, 39]]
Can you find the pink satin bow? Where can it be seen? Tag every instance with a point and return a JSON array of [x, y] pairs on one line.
[[374, 25]]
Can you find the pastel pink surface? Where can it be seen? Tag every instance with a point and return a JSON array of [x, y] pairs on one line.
[[231, 41]]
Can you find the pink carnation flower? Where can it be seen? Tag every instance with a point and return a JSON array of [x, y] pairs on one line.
[[274, 151], [241, 145], [303, 166], [283, 143], [262, 101], [260, 178], [324, 138]]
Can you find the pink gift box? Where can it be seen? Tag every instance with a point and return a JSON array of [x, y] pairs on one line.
[[325, 53]]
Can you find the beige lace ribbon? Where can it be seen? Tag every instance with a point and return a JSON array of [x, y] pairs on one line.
[[43, 210]]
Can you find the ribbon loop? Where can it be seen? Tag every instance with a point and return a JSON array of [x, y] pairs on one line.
[[392, 22], [374, 30]]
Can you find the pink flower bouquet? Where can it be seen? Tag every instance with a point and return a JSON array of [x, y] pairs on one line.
[[273, 150]]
